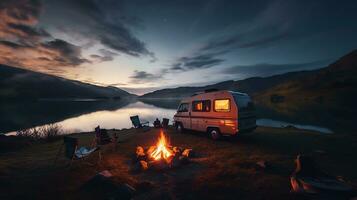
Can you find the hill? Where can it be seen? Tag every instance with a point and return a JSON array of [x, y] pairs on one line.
[[330, 83], [21, 84], [251, 86], [333, 87]]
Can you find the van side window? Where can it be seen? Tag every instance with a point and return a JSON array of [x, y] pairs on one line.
[[222, 105], [183, 107], [201, 106]]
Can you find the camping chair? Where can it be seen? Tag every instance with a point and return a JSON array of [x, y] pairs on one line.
[[137, 123], [165, 122], [102, 138], [72, 151]]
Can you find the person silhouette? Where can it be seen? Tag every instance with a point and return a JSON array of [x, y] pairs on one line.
[[157, 123]]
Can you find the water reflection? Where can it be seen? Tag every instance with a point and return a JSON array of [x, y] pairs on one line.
[[282, 124], [84, 116], [117, 119]]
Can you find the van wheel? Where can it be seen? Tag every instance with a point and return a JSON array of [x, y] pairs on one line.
[[214, 133], [179, 128]]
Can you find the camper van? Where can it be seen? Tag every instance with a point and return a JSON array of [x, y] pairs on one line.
[[217, 113]]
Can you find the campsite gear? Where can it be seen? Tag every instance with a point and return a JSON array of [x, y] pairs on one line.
[[104, 186], [102, 138], [308, 179], [165, 123], [157, 123], [217, 113], [72, 151], [137, 123]]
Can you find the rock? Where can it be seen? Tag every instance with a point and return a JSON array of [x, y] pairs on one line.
[[102, 187], [262, 164], [143, 165], [183, 159], [188, 153], [139, 150], [144, 186], [106, 173], [177, 150], [158, 165], [320, 152], [175, 162], [140, 154], [140, 166]]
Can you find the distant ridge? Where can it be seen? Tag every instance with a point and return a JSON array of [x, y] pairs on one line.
[[341, 72], [21, 84]]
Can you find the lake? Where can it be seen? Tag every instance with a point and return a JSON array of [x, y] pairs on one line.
[[83, 116]]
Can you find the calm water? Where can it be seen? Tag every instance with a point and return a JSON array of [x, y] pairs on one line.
[[84, 116]]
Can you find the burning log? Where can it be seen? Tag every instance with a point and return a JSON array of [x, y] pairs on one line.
[[188, 153], [161, 156], [140, 154], [143, 165]]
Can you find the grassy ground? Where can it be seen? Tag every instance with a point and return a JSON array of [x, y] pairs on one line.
[[223, 169]]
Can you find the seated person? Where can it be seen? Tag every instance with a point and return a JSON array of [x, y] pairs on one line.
[[157, 123]]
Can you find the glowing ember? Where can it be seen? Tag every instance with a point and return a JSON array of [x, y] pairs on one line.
[[161, 150]]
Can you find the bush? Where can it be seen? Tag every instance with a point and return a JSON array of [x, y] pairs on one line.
[[48, 132]]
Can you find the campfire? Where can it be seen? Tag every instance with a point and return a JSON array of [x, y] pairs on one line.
[[161, 155]]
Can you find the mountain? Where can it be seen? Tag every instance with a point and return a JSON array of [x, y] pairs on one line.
[[332, 88], [251, 86], [21, 84]]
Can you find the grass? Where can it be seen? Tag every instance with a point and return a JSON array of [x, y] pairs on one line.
[[223, 169]]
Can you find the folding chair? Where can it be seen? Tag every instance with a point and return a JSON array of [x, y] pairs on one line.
[[165, 122], [72, 151], [102, 138], [135, 120]]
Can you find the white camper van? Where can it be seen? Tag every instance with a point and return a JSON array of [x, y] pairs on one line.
[[217, 113]]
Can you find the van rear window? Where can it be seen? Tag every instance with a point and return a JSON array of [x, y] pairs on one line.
[[201, 106], [222, 105], [244, 103]]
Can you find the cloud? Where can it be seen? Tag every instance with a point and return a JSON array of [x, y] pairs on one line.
[[144, 77], [268, 69], [201, 61], [18, 18], [106, 55], [106, 22], [24, 44], [68, 54], [49, 56]]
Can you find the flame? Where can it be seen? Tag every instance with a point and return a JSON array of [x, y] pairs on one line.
[[161, 151]]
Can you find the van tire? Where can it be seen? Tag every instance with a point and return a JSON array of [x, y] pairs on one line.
[[179, 128], [214, 133]]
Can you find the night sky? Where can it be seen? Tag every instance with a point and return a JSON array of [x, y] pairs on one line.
[[145, 45]]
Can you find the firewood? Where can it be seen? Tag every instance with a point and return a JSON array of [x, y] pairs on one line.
[[188, 153], [139, 150], [175, 162], [143, 165], [183, 159], [150, 150], [177, 150], [158, 165]]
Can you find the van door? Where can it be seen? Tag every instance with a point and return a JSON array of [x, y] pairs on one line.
[[200, 109], [183, 115]]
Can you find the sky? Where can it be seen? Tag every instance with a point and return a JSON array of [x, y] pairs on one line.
[[141, 46]]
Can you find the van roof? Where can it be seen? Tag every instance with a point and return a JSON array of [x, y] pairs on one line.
[[239, 93], [214, 91]]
